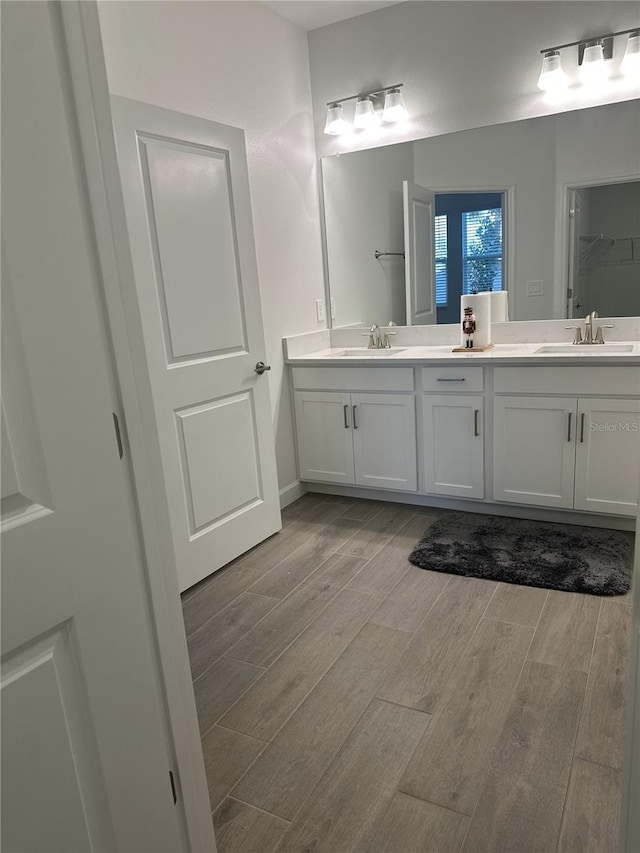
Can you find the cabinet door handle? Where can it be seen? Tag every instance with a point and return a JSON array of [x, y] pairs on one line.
[[476, 431], [450, 379], [355, 419], [346, 416], [570, 415], [581, 427]]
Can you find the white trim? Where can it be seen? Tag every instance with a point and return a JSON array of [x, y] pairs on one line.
[[561, 259], [292, 492], [89, 81], [586, 519], [629, 814]]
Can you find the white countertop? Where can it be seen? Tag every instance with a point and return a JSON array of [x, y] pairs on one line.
[[501, 353]]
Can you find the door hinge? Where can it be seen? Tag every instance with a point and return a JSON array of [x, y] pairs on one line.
[[569, 293], [173, 787], [572, 213], [116, 424]]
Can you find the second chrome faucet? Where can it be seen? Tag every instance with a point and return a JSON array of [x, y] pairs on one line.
[[589, 337]]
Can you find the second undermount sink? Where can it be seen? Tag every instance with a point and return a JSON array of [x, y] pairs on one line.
[[584, 349], [365, 352]]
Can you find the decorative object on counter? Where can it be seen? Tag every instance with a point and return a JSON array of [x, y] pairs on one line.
[[530, 553], [468, 327], [475, 312]]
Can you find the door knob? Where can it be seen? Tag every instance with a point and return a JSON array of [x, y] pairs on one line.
[[261, 367]]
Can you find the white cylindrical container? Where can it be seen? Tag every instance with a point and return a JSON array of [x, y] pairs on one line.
[[499, 307], [481, 304]]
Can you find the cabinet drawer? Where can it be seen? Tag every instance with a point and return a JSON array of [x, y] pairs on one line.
[[447, 379], [353, 378], [577, 381]]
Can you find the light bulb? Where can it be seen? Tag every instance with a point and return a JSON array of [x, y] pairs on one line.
[[593, 69], [630, 64], [552, 77], [336, 122], [365, 115], [394, 108]]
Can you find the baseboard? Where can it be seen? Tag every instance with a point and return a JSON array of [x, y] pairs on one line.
[[292, 492], [586, 519]]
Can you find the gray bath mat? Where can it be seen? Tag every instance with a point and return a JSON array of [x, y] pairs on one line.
[[532, 553]]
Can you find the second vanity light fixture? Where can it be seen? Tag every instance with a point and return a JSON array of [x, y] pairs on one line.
[[366, 114], [593, 56]]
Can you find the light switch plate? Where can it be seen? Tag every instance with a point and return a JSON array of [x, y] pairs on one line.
[[320, 312], [333, 308], [534, 288]]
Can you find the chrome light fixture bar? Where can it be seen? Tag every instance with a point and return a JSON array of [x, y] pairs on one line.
[[593, 55], [367, 111]]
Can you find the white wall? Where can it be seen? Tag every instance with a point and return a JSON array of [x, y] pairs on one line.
[[463, 64], [243, 65]]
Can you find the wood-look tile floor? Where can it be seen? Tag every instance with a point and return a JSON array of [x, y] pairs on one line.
[[349, 701]]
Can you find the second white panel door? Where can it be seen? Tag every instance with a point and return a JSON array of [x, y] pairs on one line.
[[534, 450], [186, 196], [384, 441], [452, 440]]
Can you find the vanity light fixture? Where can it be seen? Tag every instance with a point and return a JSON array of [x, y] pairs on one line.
[[593, 69], [552, 77], [367, 111], [365, 115], [593, 60], [631, 61]]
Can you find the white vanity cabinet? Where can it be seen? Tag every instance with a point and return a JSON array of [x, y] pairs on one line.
[[572, 452], [452, 431], [363, 438], [534, 450], [607, 455]]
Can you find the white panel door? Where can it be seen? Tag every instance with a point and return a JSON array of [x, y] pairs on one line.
[[85, 754], [453, 441], [608, 456], [186, 196], [419, 254], [384, 441], [534, 450], [324, 422]]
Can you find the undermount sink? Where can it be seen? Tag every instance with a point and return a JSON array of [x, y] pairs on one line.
[[365, 352], [584, 349]]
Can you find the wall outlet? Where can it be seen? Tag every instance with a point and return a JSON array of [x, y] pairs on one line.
[[534, 288], [333, 308], [320, 312]]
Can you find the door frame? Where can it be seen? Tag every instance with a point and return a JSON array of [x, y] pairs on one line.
[[129, 364], [561, 241]]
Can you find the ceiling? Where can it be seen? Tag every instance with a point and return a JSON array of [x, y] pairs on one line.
[[311, 14]]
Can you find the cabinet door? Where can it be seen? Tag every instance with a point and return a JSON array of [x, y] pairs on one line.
[[384, 441], [452, 440], [608, 456], [325, 447], [534, 450]]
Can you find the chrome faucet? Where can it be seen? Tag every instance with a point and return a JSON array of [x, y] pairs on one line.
[[589, 337], [375, 338], [379, 339]]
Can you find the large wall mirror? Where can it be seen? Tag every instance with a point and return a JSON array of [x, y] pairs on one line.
[[546, 208]]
